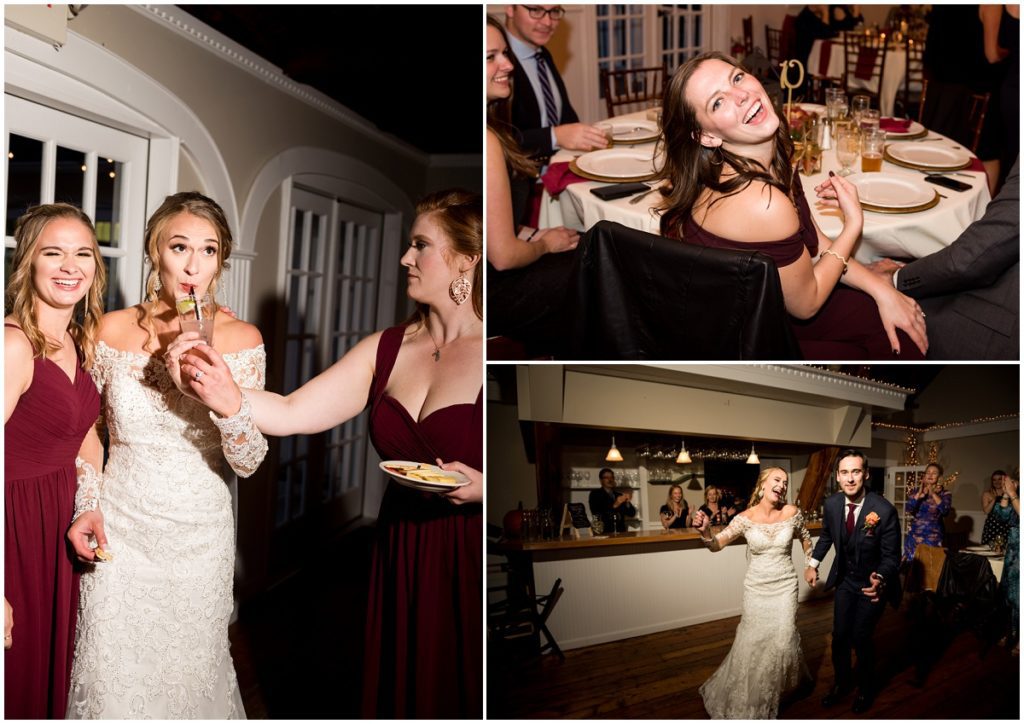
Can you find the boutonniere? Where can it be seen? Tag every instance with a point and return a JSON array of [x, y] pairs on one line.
[[870, 521]]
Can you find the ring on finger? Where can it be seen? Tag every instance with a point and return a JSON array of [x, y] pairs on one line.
[[198, 375]]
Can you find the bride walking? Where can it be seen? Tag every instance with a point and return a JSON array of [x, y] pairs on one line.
[[766, 659]]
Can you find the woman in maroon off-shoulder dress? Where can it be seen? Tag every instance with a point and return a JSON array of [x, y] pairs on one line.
[[423, 381], [50, 408], [731, 184]]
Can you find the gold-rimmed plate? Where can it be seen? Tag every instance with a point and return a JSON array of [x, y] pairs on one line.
[[915, 130], [893, 193], [615, 165], [627, 132], [927, 156]]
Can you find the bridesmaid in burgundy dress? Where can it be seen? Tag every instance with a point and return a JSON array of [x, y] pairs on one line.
[[423, 381], [50, 407]]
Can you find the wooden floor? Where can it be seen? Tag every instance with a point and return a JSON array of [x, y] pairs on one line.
[[658, 676], [298, 648]]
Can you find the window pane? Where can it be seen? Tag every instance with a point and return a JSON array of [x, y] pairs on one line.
[[24, 176], [108, 202], [114, 298], [70, 179], [297, 224]]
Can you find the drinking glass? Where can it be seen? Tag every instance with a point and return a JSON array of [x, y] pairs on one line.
[[858, 104], [811, 158], [608, 130], [870, 119], [195, 314], [872, 145], [835, 103], [847, 146]]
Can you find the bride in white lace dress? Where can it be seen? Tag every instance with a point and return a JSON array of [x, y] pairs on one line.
[[766, 659], [152, 638]]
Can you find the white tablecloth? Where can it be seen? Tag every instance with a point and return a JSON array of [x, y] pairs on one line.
[[895, 70], [905, 236]]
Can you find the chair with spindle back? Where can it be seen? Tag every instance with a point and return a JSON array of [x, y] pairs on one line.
[[632, 89], [864, 62], [748, 35], [911, 95]]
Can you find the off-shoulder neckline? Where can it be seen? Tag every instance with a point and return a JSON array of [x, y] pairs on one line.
[[146, 355], [778, 522]]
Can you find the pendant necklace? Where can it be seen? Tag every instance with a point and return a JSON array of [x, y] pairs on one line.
[[437, 350]]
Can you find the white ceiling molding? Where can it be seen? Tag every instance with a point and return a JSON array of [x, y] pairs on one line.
[[173, 18]]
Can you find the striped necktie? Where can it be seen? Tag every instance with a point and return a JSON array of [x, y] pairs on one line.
[[545, 87]]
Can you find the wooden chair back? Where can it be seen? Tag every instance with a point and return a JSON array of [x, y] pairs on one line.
[[976, 117], [632, 89], [864, 59], [912, 92], [748, 34]]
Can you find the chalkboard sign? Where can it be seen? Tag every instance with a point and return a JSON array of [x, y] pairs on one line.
[[575, 520]]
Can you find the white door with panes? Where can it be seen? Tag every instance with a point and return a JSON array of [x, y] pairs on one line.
[[54, 156], [331, 282]]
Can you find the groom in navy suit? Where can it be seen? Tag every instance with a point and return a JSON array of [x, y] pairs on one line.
[[865, 530]]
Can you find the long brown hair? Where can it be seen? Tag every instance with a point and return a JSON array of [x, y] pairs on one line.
[[190, 202], [460, 214], [499, 113], [690, 167], [21, 296]]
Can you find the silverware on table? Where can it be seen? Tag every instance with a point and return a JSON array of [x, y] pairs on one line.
[[640, 196]]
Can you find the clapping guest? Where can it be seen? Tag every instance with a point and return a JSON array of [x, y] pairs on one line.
[[996, 524], [926, 506], [1010, 584], [53, 306], [527, 268], [422, 382], [713, 508], [728, 163], [610, 504], [675, 513]]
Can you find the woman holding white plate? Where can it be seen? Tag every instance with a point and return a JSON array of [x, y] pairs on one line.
[[422, 381]]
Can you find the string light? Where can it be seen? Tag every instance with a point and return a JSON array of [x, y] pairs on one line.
[[945, 425]]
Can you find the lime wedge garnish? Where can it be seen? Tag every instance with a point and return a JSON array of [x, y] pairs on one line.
[[186, 305]]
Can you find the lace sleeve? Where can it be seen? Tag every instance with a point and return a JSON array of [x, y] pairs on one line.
[[243, 444], [87, 497], [736, 528], [800, 529]]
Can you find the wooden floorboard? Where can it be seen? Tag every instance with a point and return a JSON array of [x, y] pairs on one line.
[[658, 676]]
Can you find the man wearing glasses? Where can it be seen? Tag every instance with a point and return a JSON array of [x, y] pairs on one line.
[[541, 110]]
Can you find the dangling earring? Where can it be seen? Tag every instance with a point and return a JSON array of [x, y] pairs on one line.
[[157, 284], [459, 289], [717, 151]]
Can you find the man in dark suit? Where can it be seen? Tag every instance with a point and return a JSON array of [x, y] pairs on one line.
[[865, 530], [611, 505], [970, 291], [541, 110]]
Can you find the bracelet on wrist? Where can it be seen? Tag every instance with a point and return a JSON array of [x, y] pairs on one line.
[[532, 234], [846, 265]]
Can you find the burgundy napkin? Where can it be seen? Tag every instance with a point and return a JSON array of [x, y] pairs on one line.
[[866, 63], [899, 125], [558, 177], [825, 57], [976, 165]]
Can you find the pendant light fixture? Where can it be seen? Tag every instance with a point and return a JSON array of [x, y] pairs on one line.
[[684, 457], [613, 456], [753, 459]]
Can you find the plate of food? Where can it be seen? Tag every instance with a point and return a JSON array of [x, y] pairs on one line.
[[615, 164], [422, 476], [927, 156]]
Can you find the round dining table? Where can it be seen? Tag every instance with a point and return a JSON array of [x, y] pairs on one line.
[[828, 58], [893, 235]]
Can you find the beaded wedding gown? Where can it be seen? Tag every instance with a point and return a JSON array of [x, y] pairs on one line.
[[152, 638], [766, 659]]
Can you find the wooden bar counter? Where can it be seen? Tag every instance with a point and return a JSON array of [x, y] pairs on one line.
[[639, 582]]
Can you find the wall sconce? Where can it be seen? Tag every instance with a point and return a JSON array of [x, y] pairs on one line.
[[684, 457], [613, 456], [753, 459]]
